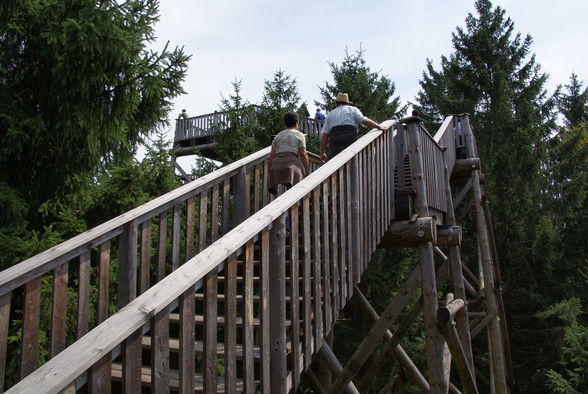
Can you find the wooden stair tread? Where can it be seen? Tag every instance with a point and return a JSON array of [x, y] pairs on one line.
[[174, 379], [174, 346], [199, 319]]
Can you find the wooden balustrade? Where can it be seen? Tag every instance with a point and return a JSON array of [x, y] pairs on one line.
[[200, 258], [73, 287], [233, 271], [204, 126]]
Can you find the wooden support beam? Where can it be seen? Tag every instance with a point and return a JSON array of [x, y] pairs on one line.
[[313, 381], [462, 167], [494, 333], [481, 325], [393, 341], [459, 357], [334, 365], [409, 233], [448, 236], [462, 194], [371, 340]]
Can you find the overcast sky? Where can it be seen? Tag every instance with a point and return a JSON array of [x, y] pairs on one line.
[[249, 40]]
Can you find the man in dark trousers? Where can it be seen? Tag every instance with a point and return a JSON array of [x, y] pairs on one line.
[[340, 128]]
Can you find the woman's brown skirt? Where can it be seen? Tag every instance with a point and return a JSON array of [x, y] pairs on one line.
[[287, 169]]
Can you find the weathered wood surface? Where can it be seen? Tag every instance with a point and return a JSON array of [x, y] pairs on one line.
[[356, 179], [408, 233]]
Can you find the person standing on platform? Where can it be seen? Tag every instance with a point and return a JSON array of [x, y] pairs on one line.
[[319, 115], [288, 161], [340, 128]]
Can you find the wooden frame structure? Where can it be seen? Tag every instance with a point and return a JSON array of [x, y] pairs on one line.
[[194, 269]]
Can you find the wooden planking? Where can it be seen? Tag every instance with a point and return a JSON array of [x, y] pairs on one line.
[[231, 326], [265, 312], [317, 299], [160, 352], [161, 246], [326, 266], [307, 289], [83, 295], [203, 222], [30, 327], [59, 309], [334, 239], [248, 360], [210, 331], [190, 222], [4, 326], [103, 281], [186, 357], [349, 231], [145, 256], [294, 292], [343, 218], [355, 223], [176, 226], [265, 182]]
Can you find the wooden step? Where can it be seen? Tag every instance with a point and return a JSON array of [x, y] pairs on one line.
[[174, 346], [220, 320], [221, 297], [174, 379]]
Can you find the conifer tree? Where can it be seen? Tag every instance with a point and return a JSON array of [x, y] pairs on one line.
[[280, 95], [492, 75], [573, 105], [235, 135], [78, 87], [372, 92]]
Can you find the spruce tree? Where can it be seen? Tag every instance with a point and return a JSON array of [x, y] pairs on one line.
[[370, 91], [78, 87], [280, 95], [492, 75], [573, 104]]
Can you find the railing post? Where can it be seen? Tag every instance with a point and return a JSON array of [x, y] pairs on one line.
[[127, 265], [277, 305], [434, 342], [241, 197], [355, 220]]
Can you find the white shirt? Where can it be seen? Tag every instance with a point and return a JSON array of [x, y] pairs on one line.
[[342, 115]]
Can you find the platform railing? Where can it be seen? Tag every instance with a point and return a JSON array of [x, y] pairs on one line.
[[344, 208], [73, 287]]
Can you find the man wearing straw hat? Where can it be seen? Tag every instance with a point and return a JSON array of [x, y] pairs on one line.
[[340, 128]]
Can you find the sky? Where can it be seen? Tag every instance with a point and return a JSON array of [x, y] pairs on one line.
[[249, 40]]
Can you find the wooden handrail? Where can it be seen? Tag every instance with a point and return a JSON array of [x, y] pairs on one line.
[[62, 370], [44, 262]]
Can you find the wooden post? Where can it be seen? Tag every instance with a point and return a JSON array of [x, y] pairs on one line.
[[241, 201], [355, 217], [127, 266], [494, 334], [458, 282], [325, 374], [277, 305], [434, 342]]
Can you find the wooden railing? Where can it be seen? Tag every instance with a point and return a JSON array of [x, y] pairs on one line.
[[93, 274], [336, 217], [202, 126]]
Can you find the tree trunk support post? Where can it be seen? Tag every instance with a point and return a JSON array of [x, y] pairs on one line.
[[434, 341], [494, 335]]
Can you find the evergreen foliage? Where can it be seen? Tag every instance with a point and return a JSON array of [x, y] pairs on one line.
[[492, 75], [235, 136], [280, 96], [78, 87], [573, 105], [370, 91]]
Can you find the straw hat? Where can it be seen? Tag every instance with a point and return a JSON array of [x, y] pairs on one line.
[[343, 98]]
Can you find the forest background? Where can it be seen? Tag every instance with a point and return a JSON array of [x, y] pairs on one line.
[[75, 108]]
